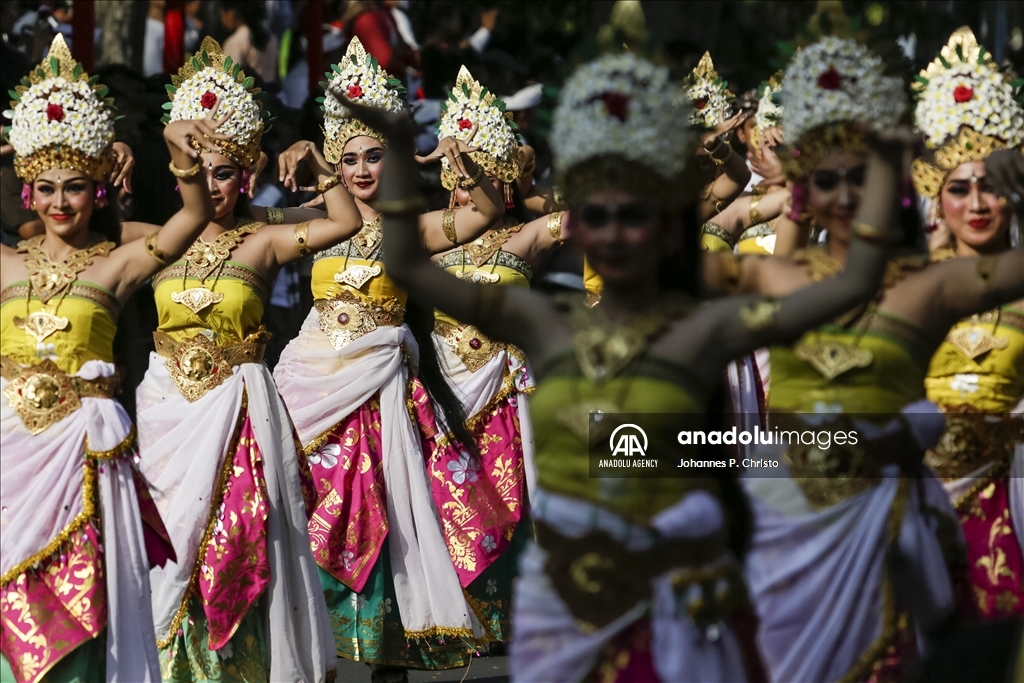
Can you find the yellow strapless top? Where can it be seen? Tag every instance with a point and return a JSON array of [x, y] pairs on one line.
[[91, 312], [503, 268], [713, 237], [757, 239], [231, 319], [886, 370], [377, 287], [592, 282], [991, 381], [560, 408]]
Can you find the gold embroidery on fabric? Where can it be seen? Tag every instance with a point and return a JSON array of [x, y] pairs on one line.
[[718, 231], [228, 270], [832, 358], [211, 522], [93, 294], [89, 513], [126, 446], [994, 561], [369, 238], [971, 441], [205, 258], [975, 340], [50, 278], [481, 249], [197, 298]]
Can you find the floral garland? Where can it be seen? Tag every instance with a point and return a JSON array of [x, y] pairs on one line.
[[709, 94], [621, 106], [963, 86], [61, 118], [838, 80], [209, 77], [769, 111], [360, 78], [471, 105]]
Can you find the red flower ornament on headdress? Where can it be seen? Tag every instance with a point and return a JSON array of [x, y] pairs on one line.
[[465, 124], [617, 105], [962, 94], [830, 80], [354, 91], [54, 112], [208, 100]]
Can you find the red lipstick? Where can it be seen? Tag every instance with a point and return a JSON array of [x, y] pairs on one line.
[[979, 223]]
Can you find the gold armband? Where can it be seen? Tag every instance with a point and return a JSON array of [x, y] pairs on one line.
[[760, 315], [448, 225], [302, 238], [408, 205], [555, 225], [275, 216], [470, 183], [755, 215], [328, 184], [870, 233], [153, 250], [184, 173]]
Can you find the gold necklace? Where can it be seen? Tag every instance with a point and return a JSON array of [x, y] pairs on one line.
[[366, 242], [205, 258], [50, 279]]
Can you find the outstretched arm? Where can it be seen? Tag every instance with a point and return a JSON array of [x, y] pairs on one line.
[[442, 230], [289, 242], [977, 284], [138, 260], [743, 324]]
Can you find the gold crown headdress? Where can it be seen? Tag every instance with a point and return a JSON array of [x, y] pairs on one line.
[[470, 104], [61, 119], [709, 94], [361, 79], [965, 107], [769, 111], [209, 77], [830, 87], [617, 123]]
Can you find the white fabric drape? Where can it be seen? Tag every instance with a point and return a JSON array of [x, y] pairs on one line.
[[816, 576], [322, 385], [477, 389], [42, 492], [183, 446], [548, 645]]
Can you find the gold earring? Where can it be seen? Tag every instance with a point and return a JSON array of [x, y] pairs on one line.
[[33, 205]]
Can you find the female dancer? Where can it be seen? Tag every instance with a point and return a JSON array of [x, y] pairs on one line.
[[243, 601], [392, 593], [979, 368], [482, 514], [834, 538], [75, 585], [629, 543]]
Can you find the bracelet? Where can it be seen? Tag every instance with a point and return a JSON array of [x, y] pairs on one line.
[[870, 233], [153, 250], [470, 183], [302, 238], [448, 225], [408, 205], [756, 217], [186, 173], [328, 184], [275, 216], [555, 225]]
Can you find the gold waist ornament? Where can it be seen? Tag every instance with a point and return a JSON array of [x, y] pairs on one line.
[[469, 344], [43, 394], [199, 364], [348, 317], [972, 441]]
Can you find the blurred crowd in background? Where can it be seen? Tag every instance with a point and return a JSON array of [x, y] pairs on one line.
[[521, 50]]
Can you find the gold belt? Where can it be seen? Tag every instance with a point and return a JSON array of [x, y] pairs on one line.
[[972, 441], [348, 317], [469, 344], [44, 394], [600, 580], [199, 364]]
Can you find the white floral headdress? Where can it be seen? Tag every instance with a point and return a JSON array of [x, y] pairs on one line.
[[769, 111], [618, 122], [470, 104], [708, 93], [829, 86], [209, 77], [61, 119], [966, 107], [360, 78]]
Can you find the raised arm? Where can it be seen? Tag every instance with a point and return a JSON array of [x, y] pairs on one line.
[[288, 241], [735, 172], [442, 230], [748, 211], [138, 260], [977, 284]]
